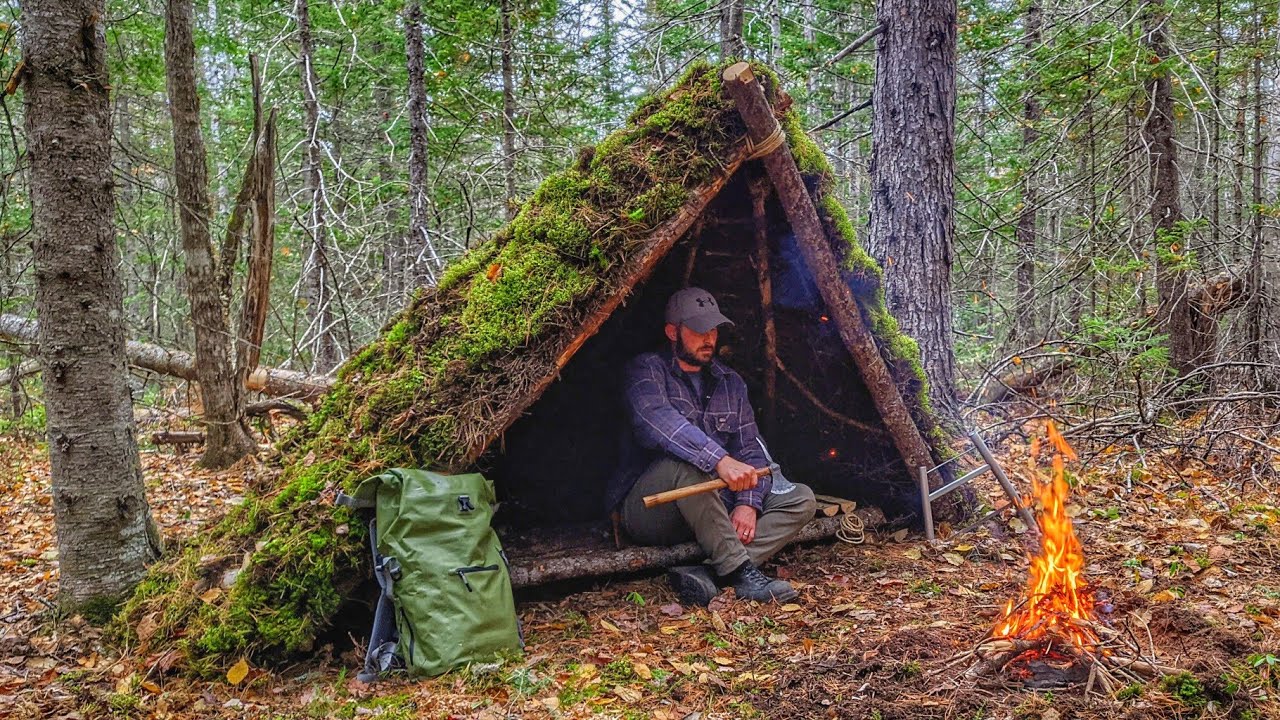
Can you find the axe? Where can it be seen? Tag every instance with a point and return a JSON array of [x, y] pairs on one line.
[[781, 486]]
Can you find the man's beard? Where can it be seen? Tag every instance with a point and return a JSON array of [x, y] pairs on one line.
[[690, 355]]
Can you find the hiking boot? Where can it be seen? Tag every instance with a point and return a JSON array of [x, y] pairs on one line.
[[751, 584], [694, 584]]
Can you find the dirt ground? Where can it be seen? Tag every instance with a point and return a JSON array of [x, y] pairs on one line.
[[1185, 558]]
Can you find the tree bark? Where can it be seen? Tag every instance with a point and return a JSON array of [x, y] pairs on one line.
[[912, 178], [269, 381], [262, 241], [732, 44], [1024, 326], [105, 533], [316, 280], [425, 261], [508, 112], [1187, 346], [229, 440]]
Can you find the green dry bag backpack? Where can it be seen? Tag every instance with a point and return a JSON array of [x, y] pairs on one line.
[[446, 595]]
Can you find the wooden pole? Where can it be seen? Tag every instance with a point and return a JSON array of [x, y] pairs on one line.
[[759, 192], [746, 92]]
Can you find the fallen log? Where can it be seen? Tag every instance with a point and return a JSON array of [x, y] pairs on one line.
[[179, 364], [574, 564], [1022, 381], [177, 438]]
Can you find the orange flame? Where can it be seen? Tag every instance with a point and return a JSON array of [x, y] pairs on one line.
[[1056, 600]]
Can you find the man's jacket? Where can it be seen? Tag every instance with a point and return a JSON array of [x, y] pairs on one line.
[[668, 417]]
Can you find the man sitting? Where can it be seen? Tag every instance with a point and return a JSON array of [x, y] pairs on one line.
[[689, 417]]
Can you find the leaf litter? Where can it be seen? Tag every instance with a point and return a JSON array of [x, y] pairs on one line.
[[1186, 561]]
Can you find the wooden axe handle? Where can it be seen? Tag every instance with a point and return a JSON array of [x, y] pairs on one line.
[[688, 490]]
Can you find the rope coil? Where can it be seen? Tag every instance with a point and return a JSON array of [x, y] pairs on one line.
[[757, 150], [851, 529]]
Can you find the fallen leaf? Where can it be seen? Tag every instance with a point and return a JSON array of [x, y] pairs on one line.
[[610, 627], [641, 670], [212, 594], [238, 672], [913, 554], [953, 558], [672, 610], [790, 607], [899, 536]]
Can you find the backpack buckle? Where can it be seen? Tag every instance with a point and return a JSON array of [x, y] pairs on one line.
[[464, 504]]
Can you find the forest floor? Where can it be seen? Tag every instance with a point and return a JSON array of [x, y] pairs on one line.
[[1189, 558]]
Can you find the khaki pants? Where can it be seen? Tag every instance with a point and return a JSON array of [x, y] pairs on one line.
[[705, 519]]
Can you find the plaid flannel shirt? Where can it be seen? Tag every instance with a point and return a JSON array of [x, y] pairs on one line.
[[669, 418]]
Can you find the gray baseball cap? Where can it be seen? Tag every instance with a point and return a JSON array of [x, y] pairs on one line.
[[696, 309]]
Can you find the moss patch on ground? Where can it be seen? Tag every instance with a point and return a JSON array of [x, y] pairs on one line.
[[446, 373]]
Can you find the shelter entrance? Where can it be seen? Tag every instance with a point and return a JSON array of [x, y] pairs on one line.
[[552, 466]]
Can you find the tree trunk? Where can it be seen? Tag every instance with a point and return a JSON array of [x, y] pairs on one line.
[[1174, 312], [1024, 326], [104, 529], [912, 178], [215, 359], [315, 280], [425, 262], [508, 112], [1257, 298], [732, 44], [262, 241]]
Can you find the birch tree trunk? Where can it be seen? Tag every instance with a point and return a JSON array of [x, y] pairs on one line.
[[912, 177], [315, 278], [228, 439], [105, 533]]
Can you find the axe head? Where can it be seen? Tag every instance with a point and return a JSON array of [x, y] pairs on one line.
[[781, 485]]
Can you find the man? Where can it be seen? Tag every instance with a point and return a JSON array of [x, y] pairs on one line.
[[690, 418]]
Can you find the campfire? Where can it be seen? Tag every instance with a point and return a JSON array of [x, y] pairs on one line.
[[1052, 636]]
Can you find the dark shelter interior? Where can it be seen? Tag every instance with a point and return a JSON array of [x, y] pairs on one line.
[[551, 467]]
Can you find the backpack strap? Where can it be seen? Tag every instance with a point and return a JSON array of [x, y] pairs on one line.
[[354, 503], [380, 656]]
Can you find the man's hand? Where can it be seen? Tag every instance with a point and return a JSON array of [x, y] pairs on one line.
[[738, 476], [743, 518]]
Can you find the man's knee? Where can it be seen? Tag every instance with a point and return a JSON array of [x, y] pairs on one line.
[[802, 501]]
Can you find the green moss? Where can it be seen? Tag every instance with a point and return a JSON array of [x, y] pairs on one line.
[[98, 610], [810, 159], [1187, 688], [658, 204], [475, 259], [504, 313], [856, 259]]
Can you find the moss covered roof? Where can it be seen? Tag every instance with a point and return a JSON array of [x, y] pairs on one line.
[[446, 373]]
